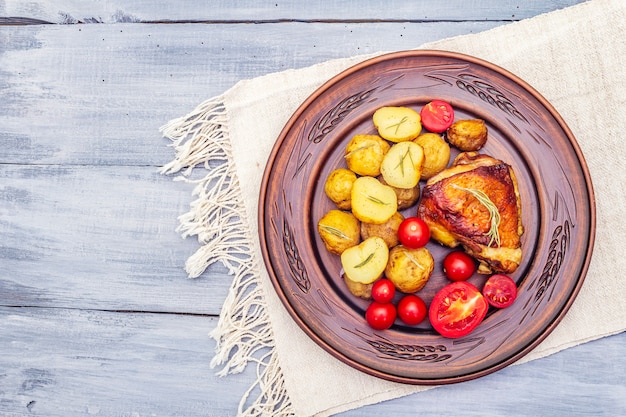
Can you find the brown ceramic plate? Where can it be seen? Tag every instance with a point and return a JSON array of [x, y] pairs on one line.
[[525, 131]]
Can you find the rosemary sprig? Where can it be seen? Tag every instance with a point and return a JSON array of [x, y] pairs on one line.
[[369, 258], [397, 125], [334, 231], [413, 260], [375, 199], [494, 214], [360, 148], [402, 158]]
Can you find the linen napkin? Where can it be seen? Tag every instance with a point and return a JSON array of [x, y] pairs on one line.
[[573, 57]]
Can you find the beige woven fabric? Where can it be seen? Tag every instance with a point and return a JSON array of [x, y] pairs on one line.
[[574, 57]]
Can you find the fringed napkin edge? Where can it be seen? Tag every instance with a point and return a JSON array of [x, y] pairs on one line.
[[218, 218]]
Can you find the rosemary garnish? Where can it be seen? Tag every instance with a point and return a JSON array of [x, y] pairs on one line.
[[402, 158], [360, 148], [397, 125], [334, 231], [413, 260], [494, 214], [375, 199], [369, 258]]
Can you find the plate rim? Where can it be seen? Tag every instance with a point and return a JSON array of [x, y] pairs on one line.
[[547, 329]]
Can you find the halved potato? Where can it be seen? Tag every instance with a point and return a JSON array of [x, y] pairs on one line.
[[409, 269], [397, 124], [436, 154], [402, 165], [366, 262], [365, 153], [373, 202]]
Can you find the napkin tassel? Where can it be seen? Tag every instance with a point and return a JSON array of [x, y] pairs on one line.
[[243, 333]]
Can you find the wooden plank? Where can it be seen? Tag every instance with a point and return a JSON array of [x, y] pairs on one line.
[[99, 238], [69, 362], [97, 94], [93, 11]]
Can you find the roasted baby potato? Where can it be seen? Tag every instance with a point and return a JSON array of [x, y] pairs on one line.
[[338, 187], [339, 231], [373, 202], [467, 135], [388, 231], [366, 262], [402, 165], [409, 269], [407, 197], [358, 289], [397, 124], [365, 153], [436, 154]]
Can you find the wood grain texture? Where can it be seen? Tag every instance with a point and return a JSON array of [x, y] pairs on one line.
[[99, 238], [80, 362], [59, 362], [97, 316], [141, 76], [93, 11]]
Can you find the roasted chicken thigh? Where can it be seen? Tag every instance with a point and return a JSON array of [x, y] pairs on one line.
[[476, 204]]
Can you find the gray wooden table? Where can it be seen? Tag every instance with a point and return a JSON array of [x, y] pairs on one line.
[[97, 316]]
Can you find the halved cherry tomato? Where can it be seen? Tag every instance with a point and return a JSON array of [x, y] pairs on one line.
[[383, 290], [413, 233], [437, 116], [412, 309], [458, 266], [457, 309], [500, 290], [380, 316]]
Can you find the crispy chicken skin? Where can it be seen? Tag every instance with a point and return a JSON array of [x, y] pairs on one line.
[[456, 216]]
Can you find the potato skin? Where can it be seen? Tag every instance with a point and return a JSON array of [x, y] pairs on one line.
[[388, 231], [339, 231], [409, 269], [436, 154], [365, 153], [407, 197], [358, 289], [467, 135], [338, 187]]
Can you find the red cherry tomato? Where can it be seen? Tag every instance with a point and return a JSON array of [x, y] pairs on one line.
[[380, 316], [458, 266], [457, 309], [500, 290], [437, 116], [412, 309], [383, 290], [413, 233]]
